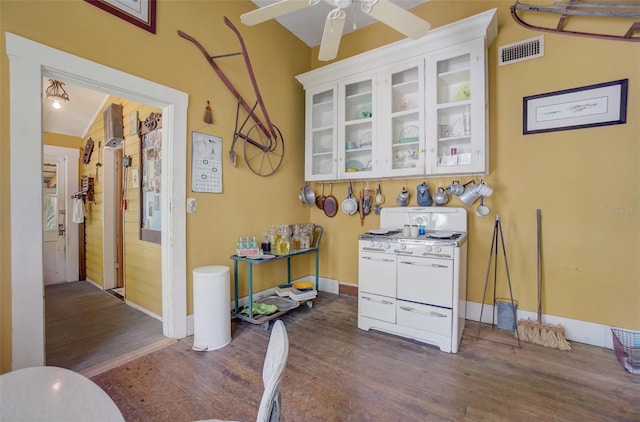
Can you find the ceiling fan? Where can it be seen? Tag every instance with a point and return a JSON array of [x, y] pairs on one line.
[[385, 11]]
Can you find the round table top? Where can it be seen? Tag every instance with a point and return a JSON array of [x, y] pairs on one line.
[[47, 393]]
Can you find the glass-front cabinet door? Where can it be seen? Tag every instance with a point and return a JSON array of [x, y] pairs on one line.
[[356, 135], [401, 120], [320, 148], [456, 121]]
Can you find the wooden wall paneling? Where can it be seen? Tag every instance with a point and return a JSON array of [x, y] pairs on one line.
[[142, 265]]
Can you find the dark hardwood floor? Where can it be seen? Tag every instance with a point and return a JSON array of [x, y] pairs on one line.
[[337, 372], [87, 327]]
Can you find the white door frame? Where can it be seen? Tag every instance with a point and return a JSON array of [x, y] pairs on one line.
[[29, 62], [110, 207], [70, 170]]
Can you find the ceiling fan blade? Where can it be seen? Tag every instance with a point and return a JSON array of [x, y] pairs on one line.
[[399, 19], [331, 38], [272, 11]]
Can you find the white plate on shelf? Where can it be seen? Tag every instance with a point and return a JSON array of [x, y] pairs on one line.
[[325, 167], [365, 140], [410, 133], [263, 256], [463, 92], [354, 164]]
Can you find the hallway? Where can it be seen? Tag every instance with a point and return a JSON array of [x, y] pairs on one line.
[[87, 329]]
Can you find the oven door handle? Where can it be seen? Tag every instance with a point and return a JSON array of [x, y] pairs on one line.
[[373, 249], [382, 302], [436, 255], [370, 258], [424, 265], [398, 251], [430, 313]]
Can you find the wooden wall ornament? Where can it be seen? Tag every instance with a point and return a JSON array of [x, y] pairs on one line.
[[153, 121], [87, 150]]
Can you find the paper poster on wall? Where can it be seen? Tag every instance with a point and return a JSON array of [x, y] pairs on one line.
[[206, 163]]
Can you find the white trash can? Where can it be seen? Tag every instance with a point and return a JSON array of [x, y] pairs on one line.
[[211, 308]]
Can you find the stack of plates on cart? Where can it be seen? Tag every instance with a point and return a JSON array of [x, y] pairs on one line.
[[297, 291]]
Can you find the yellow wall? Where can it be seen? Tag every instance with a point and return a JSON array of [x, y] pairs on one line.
[[585, 181], [249, 203], [59, 140]]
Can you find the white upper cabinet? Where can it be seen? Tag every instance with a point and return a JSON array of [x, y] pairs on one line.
[[357, 136], [413, 108], [321, 153], [457, 101], [401, 134]]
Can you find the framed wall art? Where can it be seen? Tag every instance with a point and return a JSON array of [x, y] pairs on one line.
[[151, 169], [141, 13], [588, 106]]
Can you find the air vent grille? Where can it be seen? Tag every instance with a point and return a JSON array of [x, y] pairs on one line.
[[520, 51]]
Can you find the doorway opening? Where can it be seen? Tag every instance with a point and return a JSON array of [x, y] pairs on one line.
[[28, 63]]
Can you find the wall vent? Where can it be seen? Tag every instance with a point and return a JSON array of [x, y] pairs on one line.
[[520, 51]]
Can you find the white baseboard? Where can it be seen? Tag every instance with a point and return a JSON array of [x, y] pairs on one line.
[[143, 310], [129, 303], [575, 330]]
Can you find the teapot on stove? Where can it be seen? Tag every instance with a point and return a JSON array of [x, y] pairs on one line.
[[423, 198]]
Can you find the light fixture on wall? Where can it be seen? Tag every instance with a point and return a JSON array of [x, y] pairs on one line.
[[56, 93]]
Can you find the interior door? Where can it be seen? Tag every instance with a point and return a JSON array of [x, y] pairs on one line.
[[53, 215]]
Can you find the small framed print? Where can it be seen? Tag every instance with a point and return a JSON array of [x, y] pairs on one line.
[[141, 13], [588, 106]]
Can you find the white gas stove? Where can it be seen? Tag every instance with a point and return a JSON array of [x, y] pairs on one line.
[[415, 286]]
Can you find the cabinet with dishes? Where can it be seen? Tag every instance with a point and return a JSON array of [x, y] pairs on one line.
[[401, 120], [410, 109], [321, 133], [357, 127], [456, 99]]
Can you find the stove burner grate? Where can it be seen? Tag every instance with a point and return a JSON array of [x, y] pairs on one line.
[[453, 236]]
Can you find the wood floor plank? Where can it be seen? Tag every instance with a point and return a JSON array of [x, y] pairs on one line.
[[86, 327], [337, 372]]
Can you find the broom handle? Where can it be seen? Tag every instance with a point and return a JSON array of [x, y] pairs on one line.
[[539, 235]]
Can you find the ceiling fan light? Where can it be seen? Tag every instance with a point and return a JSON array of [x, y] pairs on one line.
[[56, 93], [336, 13], [366, 5]]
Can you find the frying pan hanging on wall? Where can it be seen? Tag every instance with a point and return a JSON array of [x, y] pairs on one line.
[[330, 205]]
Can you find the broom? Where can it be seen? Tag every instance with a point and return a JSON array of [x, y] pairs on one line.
[[535, 331]]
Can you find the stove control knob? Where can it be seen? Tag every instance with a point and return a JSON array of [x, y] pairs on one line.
[[373, 243], [387, 245], [437, 249], [403, 246], [429, 248]]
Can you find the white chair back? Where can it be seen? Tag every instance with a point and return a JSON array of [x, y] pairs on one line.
[[272, 372]]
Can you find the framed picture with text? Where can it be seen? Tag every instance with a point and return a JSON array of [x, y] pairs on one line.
[[588, 106], [141, 13]]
